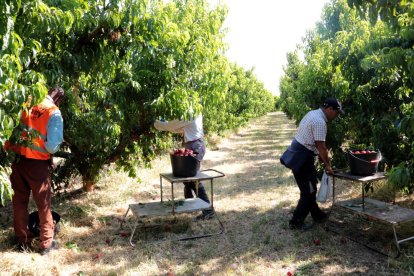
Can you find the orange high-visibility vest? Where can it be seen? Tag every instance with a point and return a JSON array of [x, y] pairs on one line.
[[37, 119]]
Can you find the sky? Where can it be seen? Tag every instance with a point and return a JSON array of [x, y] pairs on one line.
[[261, 32]]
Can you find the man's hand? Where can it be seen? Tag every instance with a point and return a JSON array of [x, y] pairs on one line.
[[329, 170], [323, 156]]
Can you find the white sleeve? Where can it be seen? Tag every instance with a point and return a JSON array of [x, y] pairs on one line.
[[175, 126]]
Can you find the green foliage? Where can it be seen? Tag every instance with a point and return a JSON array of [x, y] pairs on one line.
[[5, 188], [122, 63], [278, 103], [400, 177], [368, 64]]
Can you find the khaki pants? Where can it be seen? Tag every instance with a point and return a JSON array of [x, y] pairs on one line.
[[32, 175]]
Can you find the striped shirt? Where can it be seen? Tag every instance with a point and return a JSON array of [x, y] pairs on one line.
[[312, 128]]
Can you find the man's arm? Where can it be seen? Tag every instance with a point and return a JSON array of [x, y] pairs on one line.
[[175, 126], [323, 154], [54, 133]]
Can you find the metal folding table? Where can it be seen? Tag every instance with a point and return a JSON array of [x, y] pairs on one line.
[[385, 212], [146, 210]]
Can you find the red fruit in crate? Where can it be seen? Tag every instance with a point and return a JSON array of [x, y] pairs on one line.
[[363, 151], [289, 273], [356, 152]]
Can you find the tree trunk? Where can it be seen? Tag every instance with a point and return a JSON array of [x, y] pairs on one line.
[[88, 185]]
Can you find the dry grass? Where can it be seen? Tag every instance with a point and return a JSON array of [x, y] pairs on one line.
[[255, 201]]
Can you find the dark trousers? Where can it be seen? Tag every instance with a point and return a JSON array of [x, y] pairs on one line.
[[190, 190], [31, 175], [306, 179]]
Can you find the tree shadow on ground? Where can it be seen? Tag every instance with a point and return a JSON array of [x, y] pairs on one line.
[[251, 235]]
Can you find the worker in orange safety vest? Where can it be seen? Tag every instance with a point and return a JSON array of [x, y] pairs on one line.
[[42, 133]]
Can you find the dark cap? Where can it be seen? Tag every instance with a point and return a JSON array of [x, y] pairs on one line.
[[57, 90], [334, 103]]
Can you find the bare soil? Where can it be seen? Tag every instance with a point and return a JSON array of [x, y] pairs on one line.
[[254, 201]]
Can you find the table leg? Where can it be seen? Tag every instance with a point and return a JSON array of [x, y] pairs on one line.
[[172, 198], [133, 233], [397, 243], [394, 192], [132, 228], [211, 192], [123, 219], [363, 197], [161, 187]]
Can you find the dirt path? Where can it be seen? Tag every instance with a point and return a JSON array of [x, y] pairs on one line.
[[254, 201], [257, 198]]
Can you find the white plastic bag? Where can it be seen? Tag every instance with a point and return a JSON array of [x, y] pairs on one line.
[[325, 189]]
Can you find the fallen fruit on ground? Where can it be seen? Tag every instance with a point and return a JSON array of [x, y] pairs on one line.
[[123, 234], [317, 241], [98, 256], [167, 228]]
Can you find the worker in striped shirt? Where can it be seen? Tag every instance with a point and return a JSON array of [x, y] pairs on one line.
[[309, 142]]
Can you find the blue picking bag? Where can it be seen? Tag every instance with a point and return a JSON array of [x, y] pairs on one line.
[[295, 156]]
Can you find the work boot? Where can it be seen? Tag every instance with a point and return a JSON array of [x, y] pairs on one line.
[[54, 245], [321, 218], [299, 225], [205, 216]]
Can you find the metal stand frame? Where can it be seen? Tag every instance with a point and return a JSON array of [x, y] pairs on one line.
[[384, 212], [142, 211]]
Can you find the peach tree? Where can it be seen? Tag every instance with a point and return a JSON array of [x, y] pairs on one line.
[[393, 64], [367, 63], [122, 63]]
